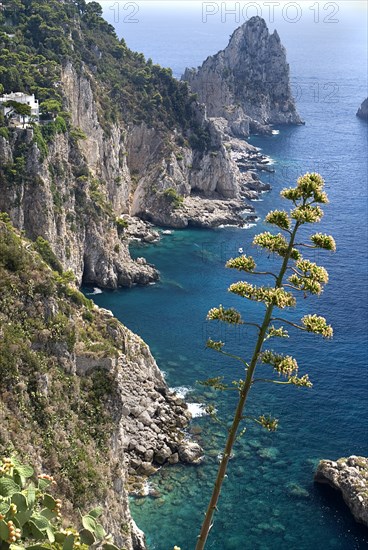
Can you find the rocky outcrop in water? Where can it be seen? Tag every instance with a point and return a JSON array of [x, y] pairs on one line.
[[350, 477], [247, 83], [363, 110]]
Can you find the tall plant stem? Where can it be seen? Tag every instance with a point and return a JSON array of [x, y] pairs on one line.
[[243, 394]]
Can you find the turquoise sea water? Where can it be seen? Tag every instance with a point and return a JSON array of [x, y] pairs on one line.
[[269, 501]]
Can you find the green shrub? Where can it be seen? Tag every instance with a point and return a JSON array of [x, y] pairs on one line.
[[121, 225], [173, 196], [43, 247], [4, 132], [39, 140], [76, 134]]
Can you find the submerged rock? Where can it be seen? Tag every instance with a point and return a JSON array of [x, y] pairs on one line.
[[350, 476]]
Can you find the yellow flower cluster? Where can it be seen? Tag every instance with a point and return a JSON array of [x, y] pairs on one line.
[[309, 278], [303, 381], [268, 422], [324, 241], [274, 332], [318, 325], [217, 346], [307, 214], [276, 296], [230, 315], [283, 364], [280, 218], [242, 263], [309, 186]]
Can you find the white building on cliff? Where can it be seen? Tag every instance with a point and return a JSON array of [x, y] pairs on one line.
[[25, 99]]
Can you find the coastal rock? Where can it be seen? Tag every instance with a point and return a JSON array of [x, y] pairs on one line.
[[203, 212], [363, 110], [350, 477], [131, 422], [190, 452], [247, 83], [75, 195]]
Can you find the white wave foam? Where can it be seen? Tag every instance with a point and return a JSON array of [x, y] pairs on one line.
[[96, 290], [197, 409], [182, 391]]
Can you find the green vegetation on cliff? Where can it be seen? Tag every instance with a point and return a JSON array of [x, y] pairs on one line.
[[48, 414], [38, 37]]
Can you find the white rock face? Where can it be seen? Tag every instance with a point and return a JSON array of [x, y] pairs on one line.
[[350, 476], [247, 83]]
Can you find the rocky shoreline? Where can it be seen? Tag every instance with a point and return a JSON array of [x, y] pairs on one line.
[[350, 477]]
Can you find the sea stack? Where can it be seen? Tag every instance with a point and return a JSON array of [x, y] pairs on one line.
[[247, 83], [363, 110]]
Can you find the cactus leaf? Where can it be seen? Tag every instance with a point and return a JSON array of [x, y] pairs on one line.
[[49, 502], [68, 542], [20, 501], [100, 531], [22, 517], [23, 470], [4, 508], [89, 523], [110, 546], [31, 495], [43, 484], [41, 522], [87, 537], [60, 537], [50, 534], [4, 530], [48, 514], [36, 532], [96, 512], [8, 487]]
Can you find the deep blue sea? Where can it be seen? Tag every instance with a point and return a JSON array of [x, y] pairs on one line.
[[269, 501]]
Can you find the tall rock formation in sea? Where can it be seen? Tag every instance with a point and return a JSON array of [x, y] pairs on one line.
[[363, 110], [247, 83]]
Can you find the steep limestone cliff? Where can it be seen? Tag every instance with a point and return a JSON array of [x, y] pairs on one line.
[[132, 140], [247, 83], [81, 396]]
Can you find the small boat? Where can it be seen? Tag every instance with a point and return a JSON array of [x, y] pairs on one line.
[[167, 232], [240, 250]]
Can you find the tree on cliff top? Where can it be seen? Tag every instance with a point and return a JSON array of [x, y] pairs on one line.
[[296, 274]]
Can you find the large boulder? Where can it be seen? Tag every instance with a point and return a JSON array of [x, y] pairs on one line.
[[190, 452], [350, 476]]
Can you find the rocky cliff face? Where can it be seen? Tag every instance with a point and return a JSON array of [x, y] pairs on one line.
[[81, 396], [363, 110], [247, 83], [350, 477], [73, 195], [144, 147]]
